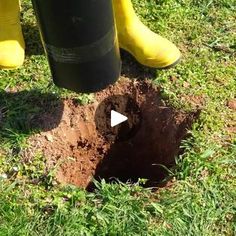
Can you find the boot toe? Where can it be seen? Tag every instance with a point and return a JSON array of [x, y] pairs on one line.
[[11, 54], [165, 59]]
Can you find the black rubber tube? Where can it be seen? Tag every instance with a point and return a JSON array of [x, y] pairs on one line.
[[80, 40]]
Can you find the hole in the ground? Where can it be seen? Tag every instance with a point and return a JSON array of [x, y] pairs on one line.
[[84, 154], [151, 151]]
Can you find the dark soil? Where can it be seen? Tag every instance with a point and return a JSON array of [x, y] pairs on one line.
[[81, 153]]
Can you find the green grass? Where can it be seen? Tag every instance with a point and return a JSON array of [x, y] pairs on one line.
[[202, 197]]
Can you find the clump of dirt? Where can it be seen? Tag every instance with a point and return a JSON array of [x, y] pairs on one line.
[[232, 104], [81, 153]]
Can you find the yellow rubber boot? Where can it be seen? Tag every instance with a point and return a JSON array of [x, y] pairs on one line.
[[12, 46], [147, 47]]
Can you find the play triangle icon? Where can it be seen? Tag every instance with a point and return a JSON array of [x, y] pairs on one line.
[[117, 118]]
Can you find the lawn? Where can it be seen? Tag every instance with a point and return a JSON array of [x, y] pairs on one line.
[[201, 198]]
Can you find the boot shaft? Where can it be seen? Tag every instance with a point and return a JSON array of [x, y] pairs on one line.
[[124, 11], [9, 12]]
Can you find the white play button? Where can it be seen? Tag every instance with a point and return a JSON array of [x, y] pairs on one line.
[[117, 118]]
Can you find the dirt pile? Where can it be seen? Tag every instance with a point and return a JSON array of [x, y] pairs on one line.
[[81, 153]]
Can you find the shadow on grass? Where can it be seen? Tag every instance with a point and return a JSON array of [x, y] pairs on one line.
[[33, 44], [134, 70], [27, 111]]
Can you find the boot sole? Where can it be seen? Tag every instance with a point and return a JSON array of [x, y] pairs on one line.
[[158, 68]]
